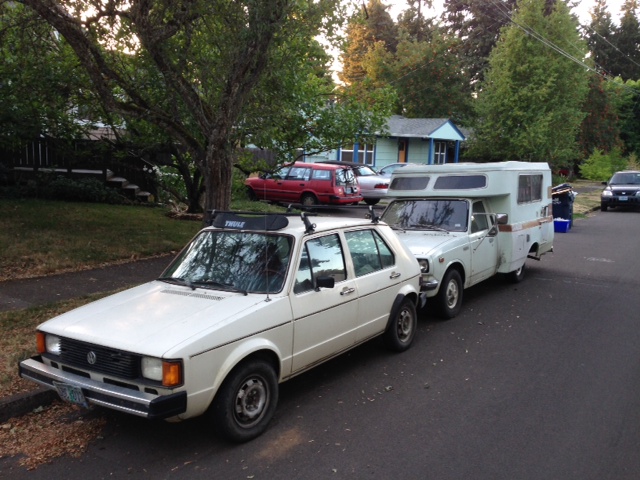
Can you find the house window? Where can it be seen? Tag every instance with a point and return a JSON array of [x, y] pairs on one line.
[[365, 154], [440, 153]]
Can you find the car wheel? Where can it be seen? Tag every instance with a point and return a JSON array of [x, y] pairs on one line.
[[309, 200], [402, 327], [603, 207], [449, 298], [251, 194], [371, 201], [246, 401], [517, 275]]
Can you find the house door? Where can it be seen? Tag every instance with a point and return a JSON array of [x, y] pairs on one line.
[[402, 150]]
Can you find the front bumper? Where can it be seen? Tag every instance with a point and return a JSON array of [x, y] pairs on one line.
[[126, 400], [620, 200]]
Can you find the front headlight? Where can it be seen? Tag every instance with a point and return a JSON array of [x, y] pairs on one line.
[[607, 192], [47, 343], [159, 370], [424, 265]]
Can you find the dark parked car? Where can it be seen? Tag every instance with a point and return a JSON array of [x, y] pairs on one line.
[[622, 190]]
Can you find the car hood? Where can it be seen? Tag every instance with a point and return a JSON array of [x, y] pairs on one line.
[[424, 243], [153, 318]]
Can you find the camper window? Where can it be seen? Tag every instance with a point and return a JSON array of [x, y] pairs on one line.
[[529, 188], [460, 182]]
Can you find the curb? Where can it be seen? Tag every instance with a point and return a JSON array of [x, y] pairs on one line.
[[23, 403]]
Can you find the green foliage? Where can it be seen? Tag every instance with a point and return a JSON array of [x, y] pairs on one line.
[[600, 166], [600, 128], [57, 187], [530, 107]]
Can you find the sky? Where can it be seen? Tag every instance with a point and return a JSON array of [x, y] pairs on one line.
[[582, 10]]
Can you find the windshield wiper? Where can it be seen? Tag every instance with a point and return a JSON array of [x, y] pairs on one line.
[[213, 283], [178, 281]]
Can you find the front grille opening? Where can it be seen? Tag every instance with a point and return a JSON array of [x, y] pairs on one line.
[[100, 359], [76, 372], [130, 386]]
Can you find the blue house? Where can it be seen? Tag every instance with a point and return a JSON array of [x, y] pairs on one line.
[[414, 140]]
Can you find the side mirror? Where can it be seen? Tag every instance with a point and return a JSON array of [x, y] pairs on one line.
[[325, 282], [502, 218]]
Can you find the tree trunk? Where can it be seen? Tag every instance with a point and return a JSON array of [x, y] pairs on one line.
[[218, 171]]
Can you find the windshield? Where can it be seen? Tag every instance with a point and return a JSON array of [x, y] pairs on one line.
[[234, 261], [428, 214], [626, 178], [344, 176]]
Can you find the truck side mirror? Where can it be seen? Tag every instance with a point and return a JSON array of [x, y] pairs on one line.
[[502, 218]]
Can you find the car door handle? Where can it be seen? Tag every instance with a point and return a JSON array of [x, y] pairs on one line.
[[394, 275], [347, 291]]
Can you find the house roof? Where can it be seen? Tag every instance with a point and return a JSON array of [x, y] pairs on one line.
[[437, 128]]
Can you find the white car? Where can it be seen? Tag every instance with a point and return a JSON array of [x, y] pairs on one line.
[[251, 302]]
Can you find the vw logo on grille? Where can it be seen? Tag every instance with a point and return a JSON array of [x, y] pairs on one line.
[[92, 358]]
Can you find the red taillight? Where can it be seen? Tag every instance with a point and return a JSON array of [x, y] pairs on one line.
[[382, 185]]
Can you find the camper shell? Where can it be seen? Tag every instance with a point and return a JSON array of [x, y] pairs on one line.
[[465, 222]]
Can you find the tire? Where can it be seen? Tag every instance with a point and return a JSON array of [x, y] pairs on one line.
[[449, 298], [246, 401], [371, 201], [251, 194], [309, 200], [517, 275], [402, 327], [603, 207]]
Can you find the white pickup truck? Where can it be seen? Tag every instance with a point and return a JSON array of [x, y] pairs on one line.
[[465, 222]]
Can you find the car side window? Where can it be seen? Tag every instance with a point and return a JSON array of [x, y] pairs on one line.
[[368, 251], [479, 222], [298, 173], [321, 175], [320, 257]]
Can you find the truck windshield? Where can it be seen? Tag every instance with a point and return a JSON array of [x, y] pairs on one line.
[[233, 260], [428, 214]]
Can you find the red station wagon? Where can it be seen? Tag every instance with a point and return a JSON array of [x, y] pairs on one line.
[[308, 184]]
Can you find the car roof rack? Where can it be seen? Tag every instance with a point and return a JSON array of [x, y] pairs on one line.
[[248, 220]]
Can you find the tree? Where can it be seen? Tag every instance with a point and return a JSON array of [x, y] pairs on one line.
[[599, 37], [425, 75], [627, 101], [42, 89], [208, 74], [600, 128], [530, 107], [477, 24], [626, 63], [372, 25], [414, 23]]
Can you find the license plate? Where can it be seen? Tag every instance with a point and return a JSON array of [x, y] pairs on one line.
[[622, 199], [71, 394]]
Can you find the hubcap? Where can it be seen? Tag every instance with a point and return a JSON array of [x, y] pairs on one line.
[[251, 400], [452, 294], [404, 325]]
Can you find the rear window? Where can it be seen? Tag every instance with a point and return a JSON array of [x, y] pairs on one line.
[[345, 176], [460, 182]]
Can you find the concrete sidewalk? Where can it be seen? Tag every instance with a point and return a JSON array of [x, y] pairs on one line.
[[19, 294], [31, 292]]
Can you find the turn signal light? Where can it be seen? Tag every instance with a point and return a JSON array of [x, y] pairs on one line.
[[171, 374]]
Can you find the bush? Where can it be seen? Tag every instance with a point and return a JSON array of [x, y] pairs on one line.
[[600, 166], [54, 187]]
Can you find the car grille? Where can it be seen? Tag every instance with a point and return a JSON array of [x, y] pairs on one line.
[[105, 360]]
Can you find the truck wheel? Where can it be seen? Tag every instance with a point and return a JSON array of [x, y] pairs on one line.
[[371, 201], [402, 327], [246, 401], [517, 275], [449, 298]]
